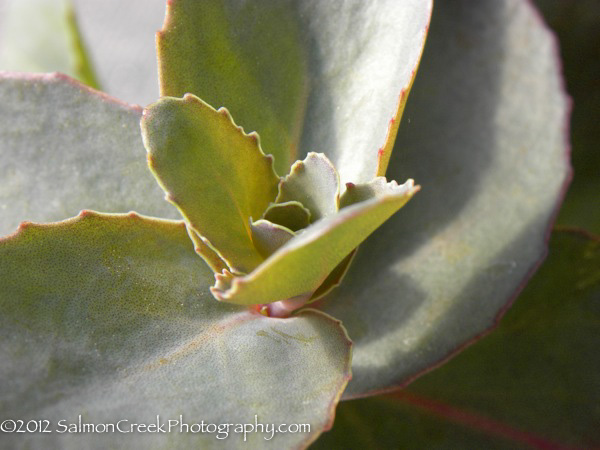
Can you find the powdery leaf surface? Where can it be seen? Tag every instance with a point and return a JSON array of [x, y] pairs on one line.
[[110, 317], [65, 148], [485, 136], [531, 384]]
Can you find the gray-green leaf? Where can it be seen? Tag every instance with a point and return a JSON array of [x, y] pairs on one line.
[[486, 140], [64, 148], [110, 317], [322, 76]]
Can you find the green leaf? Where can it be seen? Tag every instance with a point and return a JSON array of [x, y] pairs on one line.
[[204, 249], [64, 148], [120, 37], [334, 278], [292, 215], [214, 173], [310, 76], [300, 266], [532, 382], [110, 317], [258, 72], [84, 68], [43, 36], [385, 423], [268, 237], [314, 183], [440, 274], [376, 188]]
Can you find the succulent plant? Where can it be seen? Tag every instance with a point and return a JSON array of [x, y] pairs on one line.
[[279, 268]]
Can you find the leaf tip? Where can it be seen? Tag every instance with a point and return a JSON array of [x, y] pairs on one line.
[[85, 213], [225, 113], [222, 286], [24, 225]]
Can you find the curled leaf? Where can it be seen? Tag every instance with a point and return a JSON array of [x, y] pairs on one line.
[[298, 268], [268, 237], [292, 215], [314, 183]]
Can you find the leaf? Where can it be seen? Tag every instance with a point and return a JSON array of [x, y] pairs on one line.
[[376, 188], [309, 76], [441, 273], [268, 237], [64, 148], [292, 215], [532, 382], [214, 173], [257, 72], [84, 68], [109, 317], [300, 266], [577, 25], [314, 183], [334, 278], [387, 424], [43, 36], [120, 38], [204, 249]]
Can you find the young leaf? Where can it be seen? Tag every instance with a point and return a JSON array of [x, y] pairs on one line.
[[376, 188], [206, 252], [268, 237], [216, 175], [299, 267], [314, 183], [110, 317], [334, 278], [222, 52], [292, 215]]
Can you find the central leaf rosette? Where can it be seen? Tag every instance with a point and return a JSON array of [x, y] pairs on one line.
[[281, 242]]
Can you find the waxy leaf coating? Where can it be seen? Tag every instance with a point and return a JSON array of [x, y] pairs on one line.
[[220, 180], [429, 280], [532, 383]]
